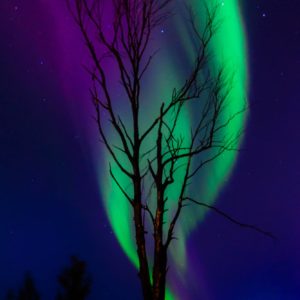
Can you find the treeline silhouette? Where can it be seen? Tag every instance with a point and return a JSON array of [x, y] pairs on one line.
[[74, 284]]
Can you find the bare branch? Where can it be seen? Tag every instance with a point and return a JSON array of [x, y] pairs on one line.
[[119, 186], [228, 217]]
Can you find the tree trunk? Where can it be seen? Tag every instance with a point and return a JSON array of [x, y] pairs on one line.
[[159, 277], [160, 253], [141, 245]]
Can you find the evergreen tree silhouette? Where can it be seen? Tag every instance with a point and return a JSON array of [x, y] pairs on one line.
[[10, 295], [75, 283], [28, 291]]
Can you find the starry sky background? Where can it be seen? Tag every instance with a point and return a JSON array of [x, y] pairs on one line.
[[49, 198]]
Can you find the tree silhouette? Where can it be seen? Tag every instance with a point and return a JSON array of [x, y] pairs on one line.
[[127, 46], [10, 295], [28, 291], [75, 283]]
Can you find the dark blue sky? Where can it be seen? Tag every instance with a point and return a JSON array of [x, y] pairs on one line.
[[49, 199]]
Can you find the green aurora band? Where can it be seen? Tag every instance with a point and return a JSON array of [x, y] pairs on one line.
[[227, 49]]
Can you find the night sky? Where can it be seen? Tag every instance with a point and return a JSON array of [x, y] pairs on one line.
[[50, 206]]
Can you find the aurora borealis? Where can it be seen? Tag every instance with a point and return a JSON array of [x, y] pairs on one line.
[[54, 180], [167, 73]]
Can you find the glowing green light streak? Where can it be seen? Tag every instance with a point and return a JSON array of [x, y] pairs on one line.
[[227, 50]]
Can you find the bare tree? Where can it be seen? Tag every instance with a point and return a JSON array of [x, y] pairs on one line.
[[132, 26]]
